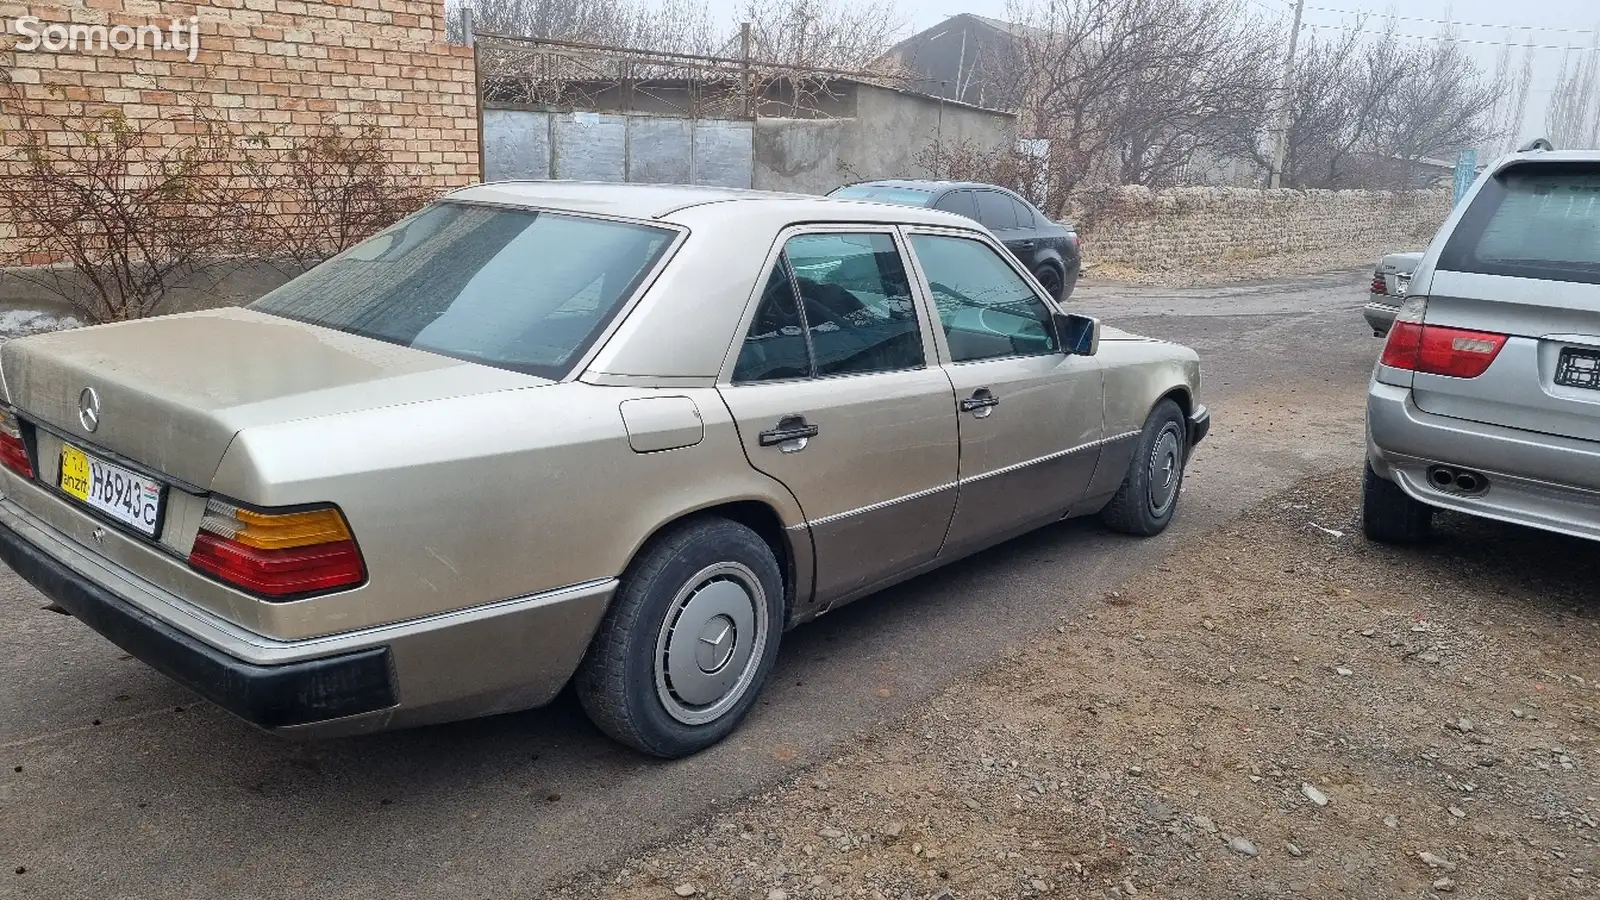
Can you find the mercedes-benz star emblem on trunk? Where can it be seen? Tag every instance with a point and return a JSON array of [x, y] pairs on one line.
[[89, 409]]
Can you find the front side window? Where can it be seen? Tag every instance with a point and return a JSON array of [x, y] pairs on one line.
[[518, 289], [960, 203], [852, 308], [986, 308]]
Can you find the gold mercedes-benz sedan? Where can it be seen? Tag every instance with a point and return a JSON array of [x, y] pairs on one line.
[[540, 433]]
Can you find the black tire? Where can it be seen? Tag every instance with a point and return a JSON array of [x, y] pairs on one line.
[[1389, 515], [1051, 279], [625, 683], [1144, 505]]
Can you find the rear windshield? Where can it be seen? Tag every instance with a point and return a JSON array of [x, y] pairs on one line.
[[514, 288], [1532, 221], [900, 195]]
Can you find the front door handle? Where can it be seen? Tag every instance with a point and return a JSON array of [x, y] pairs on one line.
[[981, 403], [791, 436]]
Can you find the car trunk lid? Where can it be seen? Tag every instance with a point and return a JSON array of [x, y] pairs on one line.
[[173, 391]]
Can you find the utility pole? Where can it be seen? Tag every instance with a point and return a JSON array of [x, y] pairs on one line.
[[1282, 149]]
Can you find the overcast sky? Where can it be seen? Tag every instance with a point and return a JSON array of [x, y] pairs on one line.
[[1556, 23]]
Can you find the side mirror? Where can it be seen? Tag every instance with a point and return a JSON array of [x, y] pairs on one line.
[[1079, 335]]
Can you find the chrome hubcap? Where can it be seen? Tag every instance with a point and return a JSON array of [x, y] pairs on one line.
[[711, 643], [1166, 470]]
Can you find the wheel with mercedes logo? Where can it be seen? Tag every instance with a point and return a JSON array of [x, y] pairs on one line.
[[689, 640]]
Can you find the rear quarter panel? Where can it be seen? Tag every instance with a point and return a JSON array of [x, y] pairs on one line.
[[478, 499]]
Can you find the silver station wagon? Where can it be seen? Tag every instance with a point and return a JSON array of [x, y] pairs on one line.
[[542, 433]]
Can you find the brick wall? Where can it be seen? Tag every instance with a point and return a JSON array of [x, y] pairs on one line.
[[1207, 228], [283, 65]]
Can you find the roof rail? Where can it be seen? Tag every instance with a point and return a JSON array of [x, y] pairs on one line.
[[1536, 144]]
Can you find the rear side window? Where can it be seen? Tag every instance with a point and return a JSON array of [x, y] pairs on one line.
[[1532, 221], [854, 313], [995, 211], [1024, 214], [513, 288]]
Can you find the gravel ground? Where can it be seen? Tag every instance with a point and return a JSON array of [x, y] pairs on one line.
[[1280, 709]]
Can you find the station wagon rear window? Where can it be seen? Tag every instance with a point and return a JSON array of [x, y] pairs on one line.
[[514, 288], [1532, 221]]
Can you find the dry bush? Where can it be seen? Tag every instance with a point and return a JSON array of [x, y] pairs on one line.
[[305, 199], [124, 212]]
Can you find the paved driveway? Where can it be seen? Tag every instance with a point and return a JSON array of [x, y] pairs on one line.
[[115, 782]]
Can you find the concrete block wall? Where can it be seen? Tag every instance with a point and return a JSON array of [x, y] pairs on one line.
[[285, 65], [1206, 227]]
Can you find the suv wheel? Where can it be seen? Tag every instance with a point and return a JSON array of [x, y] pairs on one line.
[[1388, 514], [688, 642], [1149, 494]]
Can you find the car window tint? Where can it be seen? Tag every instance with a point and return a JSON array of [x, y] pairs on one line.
[[1533, 221], [958, 202], [775, 347], [856, 303], [1024, 214], [995, 211], [513, 288], [986, 308]]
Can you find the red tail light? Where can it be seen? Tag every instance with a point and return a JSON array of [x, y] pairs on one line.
[[277, 554], [13, 450], [1436, 350], [1379, 286]]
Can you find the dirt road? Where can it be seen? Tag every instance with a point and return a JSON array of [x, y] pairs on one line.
[[1278, 709], [115, 782]]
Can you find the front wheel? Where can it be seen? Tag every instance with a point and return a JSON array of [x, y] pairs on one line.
[[688, 642], [1149, 494]]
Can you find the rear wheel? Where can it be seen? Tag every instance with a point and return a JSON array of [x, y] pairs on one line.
[[1149, 494], [1050, 279], [688, 642], [1389, 515]]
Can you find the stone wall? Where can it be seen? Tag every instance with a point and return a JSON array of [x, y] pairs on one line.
[[1205, 228], [283, 65]]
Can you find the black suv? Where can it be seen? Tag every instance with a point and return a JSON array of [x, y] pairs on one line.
[[1048, 249]]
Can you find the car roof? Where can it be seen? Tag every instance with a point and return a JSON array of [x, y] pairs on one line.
[[1548, 156], [652, 201]]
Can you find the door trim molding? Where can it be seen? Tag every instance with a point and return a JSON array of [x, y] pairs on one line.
[[1017, 467]]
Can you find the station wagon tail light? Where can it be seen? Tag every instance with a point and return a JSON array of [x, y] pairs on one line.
[[13, 450], [1436, 350], [277, 554]]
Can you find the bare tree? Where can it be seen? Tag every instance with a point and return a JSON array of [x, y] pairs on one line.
[[1130, 91], [1573, 117], [1441, 104], [674, 26], [840, 34]]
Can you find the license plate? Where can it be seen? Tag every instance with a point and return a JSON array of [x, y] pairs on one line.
[[1579, 369], [129, 498]]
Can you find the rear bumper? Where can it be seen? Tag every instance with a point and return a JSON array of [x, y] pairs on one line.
[[1380, 316], [498, 657], [278, 696], [1531, 476]]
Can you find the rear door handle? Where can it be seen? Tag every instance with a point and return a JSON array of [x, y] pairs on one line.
[[981, 403], [791, 436]]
